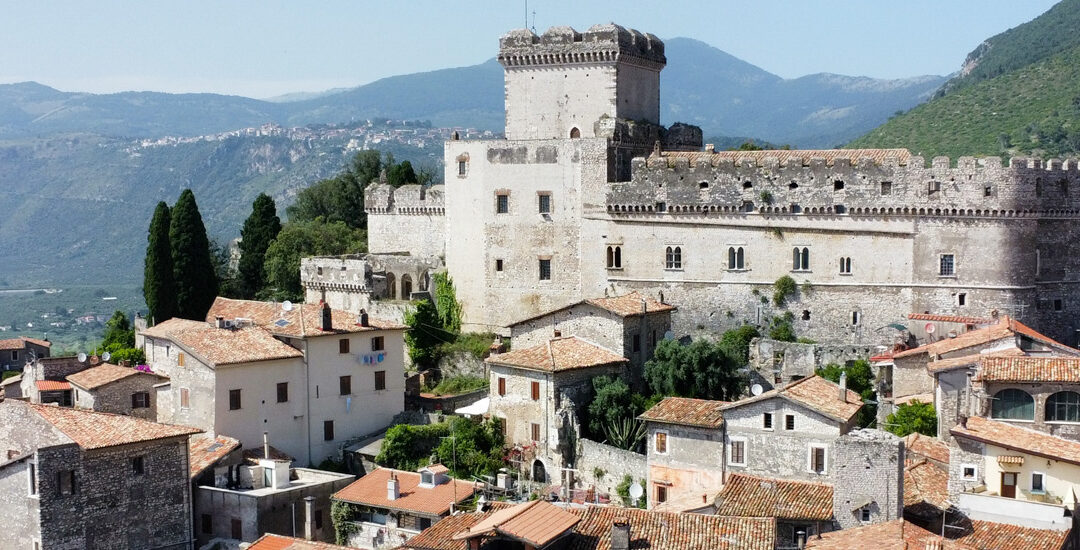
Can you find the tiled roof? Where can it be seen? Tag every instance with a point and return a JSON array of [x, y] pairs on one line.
[[666, 531], [753, 496], [221, 346], [989, 535], [1019, 439], [926, 446], [440, 536], [535, 522], [942, 365], [1004, 328], [799, 157], [204, 452], [271, 317], [95, 430], [52, 385], [370, 490], [897, 534], [627, 305], [559, 354], [278, 542], [1029, 369], [253, 455], [687, 412], [814, 393], [926, 482], [20, 343], [958, 319], [104, 374]]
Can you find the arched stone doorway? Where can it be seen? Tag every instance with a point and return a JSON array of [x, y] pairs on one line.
[[406, 287], [391, 286], [539, 472]]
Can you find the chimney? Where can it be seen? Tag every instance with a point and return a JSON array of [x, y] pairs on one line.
[[266, 445], [963, 420], [327, 318], [644, 306], [710, 148], [620, 534], [392, 490], [843, 387], [309, 517], [364, 318], [219, 321]]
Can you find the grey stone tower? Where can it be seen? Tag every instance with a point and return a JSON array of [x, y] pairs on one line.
[[869, 478]]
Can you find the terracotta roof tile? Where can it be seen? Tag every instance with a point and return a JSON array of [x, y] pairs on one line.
[[204, 452], [370, 490], [1019, 439], [559, 354], [629, 305], [52, 385], [796, 156], [278, 542], [753, 496], [666, 531], [942, 365], [20, 343], [105, 374], [1004, 328], [270, 316], [897, 534], [1029, 369], [535, 522], [687, 412], [926, 482], [95, 430], [814, 393], [440, 536], [988, 535], [253, 455], [958, 319], [220, 346], [927, 447]]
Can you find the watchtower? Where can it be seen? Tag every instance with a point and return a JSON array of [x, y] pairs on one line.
[[561, 83]]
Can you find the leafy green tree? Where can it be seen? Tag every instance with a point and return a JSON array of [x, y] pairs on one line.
[[700, 370], [193, 269], [340, 198], [401, 174], [300, 239], [781, 328], [426, 334], [912, 417], [260, 229], [118, 331], [446, 302], [612, 401], [735, 343], [159, 289], [860, 379], [467, 448]]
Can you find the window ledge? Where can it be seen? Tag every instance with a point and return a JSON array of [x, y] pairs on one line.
[[940, 276], [737, 270], [1063, 422], [673, 269], [802, 271], [845, 274], [614, 269], [1019, 420]]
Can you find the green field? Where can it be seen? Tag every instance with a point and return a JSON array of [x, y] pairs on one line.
[[54, 313]]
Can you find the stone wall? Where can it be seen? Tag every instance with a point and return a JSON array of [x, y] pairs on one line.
[[869, 472], [963, 453], [612, 462], [693, 462], [21, 512], [117, 396], [792, 360], [409, 219]]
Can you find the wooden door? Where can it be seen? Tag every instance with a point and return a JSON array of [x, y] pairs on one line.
[[1008, 484]]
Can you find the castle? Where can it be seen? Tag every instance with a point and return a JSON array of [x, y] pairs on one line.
[[588, 195]]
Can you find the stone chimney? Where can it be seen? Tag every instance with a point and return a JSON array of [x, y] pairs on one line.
[[644, 306], [620, 534], [843, 387], [266, 445], [327, 321], [219, 321], [309, 517], [364, 318], [392, 488]]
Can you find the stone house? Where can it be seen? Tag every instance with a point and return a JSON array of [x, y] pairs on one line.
[[127, 479], [16, 352], [44, 380], [802, 509], [685, 452], [314, 380], [539, 393], [632, 324], [116, 389], [392, 506]]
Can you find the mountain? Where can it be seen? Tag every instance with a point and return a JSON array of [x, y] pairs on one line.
[[1018, 94]]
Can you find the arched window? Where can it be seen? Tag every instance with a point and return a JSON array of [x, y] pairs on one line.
[[795, 259], [391, 286], [673, 258], [805, 259], [731, 258], [406, 287], [575, 133], [1012, 404], [618, 256], [1063, 406], [739, 257], [845, 266], [610, 257], [800, 259]]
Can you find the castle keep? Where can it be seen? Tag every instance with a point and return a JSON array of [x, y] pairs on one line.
[[588, 195]]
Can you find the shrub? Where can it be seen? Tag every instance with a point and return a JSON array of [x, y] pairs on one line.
[[783, 288]]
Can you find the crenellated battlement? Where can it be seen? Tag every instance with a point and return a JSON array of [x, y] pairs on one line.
[[381, 198], [851, 182], [608, 43]]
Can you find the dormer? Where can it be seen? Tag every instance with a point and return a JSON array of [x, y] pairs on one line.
[[433, 475]]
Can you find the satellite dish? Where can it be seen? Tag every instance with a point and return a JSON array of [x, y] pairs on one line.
[[930, 328], [669, 335], [106, 356], [82, 357], [756, 389], [636, 491], [286, 306]]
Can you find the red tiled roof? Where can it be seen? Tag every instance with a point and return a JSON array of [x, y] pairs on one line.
[[988, 535], [20, 343], [278, 542], [559, 354], [221, 346], [370, 490], [52, 385], [271, 317], [1019, 439], [925, 482], [95, 430], [762, 497], [1004, 328], [958, 319], [687, 412], [204, 452], [535, 522], [105, 374], [815, 393], [796, 156], [942, 365], [1029, 369], [627, 305], [897, 534], [926, 446]]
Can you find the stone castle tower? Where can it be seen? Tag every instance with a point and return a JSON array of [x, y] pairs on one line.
[[869, 478]]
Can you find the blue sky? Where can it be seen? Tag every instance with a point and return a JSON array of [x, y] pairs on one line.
[[266, 48]]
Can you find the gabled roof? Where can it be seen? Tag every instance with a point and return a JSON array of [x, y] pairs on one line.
[[929, 447], [958, 319], [204, 452], [763, 497], [52, 385], [1019, 439], [559, 354], [634, 304], [1029, 369], [96, 430], [815, 393], [272, 318], [989, 535], [942, 365], [897, 534], [926, 483], [279, 542], [370, 490], [223, 346], [21, 341], [684, 411], [1005, 327], [105, 374], [535, 523]]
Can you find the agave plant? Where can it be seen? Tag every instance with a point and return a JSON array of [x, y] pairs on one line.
[[626, 433]]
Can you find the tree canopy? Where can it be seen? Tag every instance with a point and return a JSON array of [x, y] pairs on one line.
[[701, 370], [193, 268], [426, 334], [159, 288], [301, 239], [860, 379], [260, 229], [913, 417]]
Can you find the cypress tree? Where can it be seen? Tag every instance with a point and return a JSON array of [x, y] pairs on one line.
[[159, 289], [260, 228], [193, 269]]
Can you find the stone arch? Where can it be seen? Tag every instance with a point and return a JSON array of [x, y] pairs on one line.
[[406, 286], [391, 286], [539, 471]]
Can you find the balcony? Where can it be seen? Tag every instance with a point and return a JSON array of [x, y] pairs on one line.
[[1025, 513]]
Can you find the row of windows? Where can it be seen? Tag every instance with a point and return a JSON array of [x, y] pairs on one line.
[[1014, 404], [534, 388], [543, 271], [816, 455], [236, 400], [377, 342], [502, 203]]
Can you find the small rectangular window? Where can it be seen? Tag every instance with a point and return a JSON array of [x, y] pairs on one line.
[[738, 452], [65, 480], [502, 203], [234, 400], [817, 460], [237, 529], [1058, 304], [864, 514], [461, 168], [318, 519], [328, 430], [180, 358], [838, 185], [185, 398], [138, 465], [961, 299], [380, 380], [789, 422], [636, 343], [498, 264], [988, 191], [377, 343], [947, 265], [1037, 485], [502, 386], [343, 345], [207, 524], [661, 494], [535, 431], [661, 442], [661, 207], [969, 472], [535, 386], [544, 203], [282, 392], [345, 385], [545, 270], [886, 188], [766, 421], [32, 471], [140, 400]]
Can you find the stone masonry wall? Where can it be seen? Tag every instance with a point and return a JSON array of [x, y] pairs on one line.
[[116, 397], [794, 359], [869, 467], [21, 521], [614, 463]]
